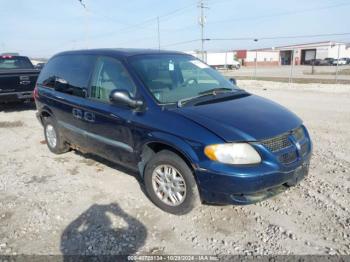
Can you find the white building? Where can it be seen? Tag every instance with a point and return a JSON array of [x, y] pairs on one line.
[[283, 55], [303, 53], [217, 59], [259, 57]]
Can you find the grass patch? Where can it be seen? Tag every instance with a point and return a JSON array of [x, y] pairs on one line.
[[340, 72]]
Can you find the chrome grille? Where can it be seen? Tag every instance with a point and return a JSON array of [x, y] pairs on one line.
[[277, 143]]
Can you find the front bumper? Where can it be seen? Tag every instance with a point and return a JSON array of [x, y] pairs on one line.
[[248, 185]]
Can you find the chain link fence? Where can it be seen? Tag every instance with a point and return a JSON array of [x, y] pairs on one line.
[[322, 62]]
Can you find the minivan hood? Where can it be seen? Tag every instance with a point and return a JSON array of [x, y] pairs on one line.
[[250, 118]]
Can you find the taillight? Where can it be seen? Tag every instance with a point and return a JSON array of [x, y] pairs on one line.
[[36, 92]]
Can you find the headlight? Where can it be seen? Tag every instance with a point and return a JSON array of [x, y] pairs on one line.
[[233, 153]]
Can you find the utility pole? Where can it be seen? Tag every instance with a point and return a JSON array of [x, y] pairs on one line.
[[337, 69], [256, 63], [202, 24], [158, 32], [291, 68], [86, 22], [256, 60]]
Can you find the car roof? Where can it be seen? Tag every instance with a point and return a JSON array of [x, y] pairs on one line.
[[119, 52]]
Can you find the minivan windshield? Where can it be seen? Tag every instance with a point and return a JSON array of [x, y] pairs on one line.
[[171, 78]]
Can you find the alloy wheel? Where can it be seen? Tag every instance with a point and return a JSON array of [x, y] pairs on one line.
[[169, 185], [51, 136]]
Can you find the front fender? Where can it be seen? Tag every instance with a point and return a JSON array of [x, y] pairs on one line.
[[184, 147]]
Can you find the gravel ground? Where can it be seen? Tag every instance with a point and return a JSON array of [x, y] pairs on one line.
[[76, 204]]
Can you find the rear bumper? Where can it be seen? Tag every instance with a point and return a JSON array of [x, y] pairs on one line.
[[255, 185], [16, 96]]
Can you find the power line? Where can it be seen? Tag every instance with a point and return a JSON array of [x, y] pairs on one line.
[[255, 38], [202, 7], [140, 25], [275, 37], [280, 14], [182, 42], [82, 3], [215, 2], [146, 22]]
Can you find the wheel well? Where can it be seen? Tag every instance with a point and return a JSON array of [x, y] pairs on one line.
[[45, 114], [155, 147]]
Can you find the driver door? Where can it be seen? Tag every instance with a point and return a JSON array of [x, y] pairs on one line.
[[108, 125]]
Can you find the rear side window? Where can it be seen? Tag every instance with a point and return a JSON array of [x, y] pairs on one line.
[[68, 74], [15, 62]]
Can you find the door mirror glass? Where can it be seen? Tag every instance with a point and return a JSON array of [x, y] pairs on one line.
[[122, 97], [233, 81]]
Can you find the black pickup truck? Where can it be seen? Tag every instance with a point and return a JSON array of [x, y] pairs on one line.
[[17, 78]]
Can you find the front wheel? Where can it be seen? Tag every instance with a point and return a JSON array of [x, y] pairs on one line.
[[170, 183]]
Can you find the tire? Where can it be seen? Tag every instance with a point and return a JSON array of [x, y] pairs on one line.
[[51, 131], [190, 198]]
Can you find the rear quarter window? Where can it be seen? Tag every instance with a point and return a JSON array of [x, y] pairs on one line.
[[74, 70]]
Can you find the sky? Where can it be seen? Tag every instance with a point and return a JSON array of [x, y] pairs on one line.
[[41, 28]]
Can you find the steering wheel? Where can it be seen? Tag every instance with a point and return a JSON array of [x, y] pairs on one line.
[[190, 81]]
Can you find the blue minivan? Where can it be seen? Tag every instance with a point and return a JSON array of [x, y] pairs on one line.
[[192, 135]]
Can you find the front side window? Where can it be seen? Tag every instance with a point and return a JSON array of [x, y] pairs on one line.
[[171, 78], [110, 75]]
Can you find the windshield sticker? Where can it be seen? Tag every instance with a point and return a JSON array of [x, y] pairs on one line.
[[199, 64], [171, 65], [157, 95]]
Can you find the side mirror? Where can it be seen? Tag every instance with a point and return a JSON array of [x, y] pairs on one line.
[[122, 97], [233, 81]]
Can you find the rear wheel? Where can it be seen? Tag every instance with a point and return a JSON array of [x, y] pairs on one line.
[[53, 138], [170, 183]]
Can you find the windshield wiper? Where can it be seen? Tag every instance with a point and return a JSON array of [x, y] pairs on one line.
[[210, 92], [214, 91]]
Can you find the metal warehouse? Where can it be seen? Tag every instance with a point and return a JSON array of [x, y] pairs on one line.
[[301, 54], [304, 53]]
